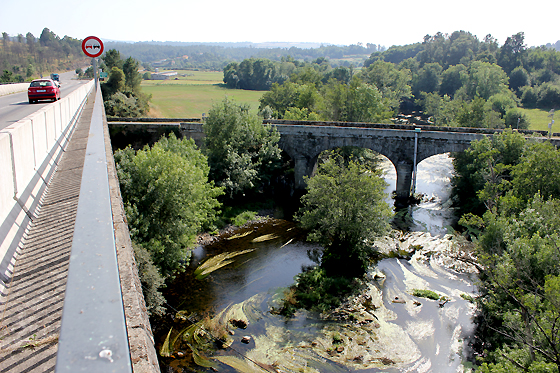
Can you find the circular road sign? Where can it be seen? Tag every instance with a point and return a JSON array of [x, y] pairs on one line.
[[92, 46]]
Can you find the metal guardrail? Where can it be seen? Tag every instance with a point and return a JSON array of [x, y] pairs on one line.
[[93, 335]]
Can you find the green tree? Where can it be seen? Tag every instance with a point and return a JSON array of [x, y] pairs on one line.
[[452, 79], [502, 102], [518, 78], [529, 97], [231, 79], [280, 98], [132, 76], [428, 79], [485, 80], [537, 172], [47, 38], [393, 84], [515, 118], [344, 210], [519, 301], [443, 110], [115, 83], [30, 42], [119, 105], [6, 76], [549, 96], [513, 53], [251, 74], [167, 199], [472, 113], [242, 152], [336, 100], [366, 104], [483, 172], [122, 93], [307, 74], [112, 58]]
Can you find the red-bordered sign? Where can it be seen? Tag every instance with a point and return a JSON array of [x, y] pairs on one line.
[[92, 46]]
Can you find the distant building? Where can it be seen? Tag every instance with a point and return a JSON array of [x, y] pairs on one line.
[[163, 75]]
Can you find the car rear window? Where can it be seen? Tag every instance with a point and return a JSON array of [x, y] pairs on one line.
[[41, 83]]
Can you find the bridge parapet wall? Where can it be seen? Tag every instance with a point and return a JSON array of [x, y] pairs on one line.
[[6, 89], [29, 152]]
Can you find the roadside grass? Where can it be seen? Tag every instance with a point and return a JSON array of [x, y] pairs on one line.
[[193, 94], [539, 119]]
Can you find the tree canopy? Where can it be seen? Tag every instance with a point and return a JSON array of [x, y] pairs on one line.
[[167, 197], [122, 93], [345, 210], [242, 152], [27, 57], [508, 191]]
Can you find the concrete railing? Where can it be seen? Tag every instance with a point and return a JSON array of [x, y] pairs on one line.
[[6, 89], [29, 152]]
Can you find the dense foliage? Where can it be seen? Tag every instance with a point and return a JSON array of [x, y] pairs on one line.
[[456, 79], [519, 301], [242, 153], [26, 57], [168, 199], [509, 188], [122, 94]]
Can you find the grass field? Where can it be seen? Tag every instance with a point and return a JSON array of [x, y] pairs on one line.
[[539, 120], [192, 94]]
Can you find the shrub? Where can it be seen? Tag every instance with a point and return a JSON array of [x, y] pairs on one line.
[[425, 294], [151, 280], [243, 218]]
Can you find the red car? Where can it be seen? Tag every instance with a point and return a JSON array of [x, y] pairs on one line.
[[43, 89]]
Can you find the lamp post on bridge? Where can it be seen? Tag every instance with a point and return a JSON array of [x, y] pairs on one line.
[[551, 115], [416, 132]]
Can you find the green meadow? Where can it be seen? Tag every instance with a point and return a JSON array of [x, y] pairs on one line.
[[192, 93], [539, 119]]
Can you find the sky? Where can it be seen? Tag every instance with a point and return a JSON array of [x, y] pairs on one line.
[[338, 22]]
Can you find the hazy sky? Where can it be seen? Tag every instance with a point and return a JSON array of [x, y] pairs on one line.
[[386, 22]]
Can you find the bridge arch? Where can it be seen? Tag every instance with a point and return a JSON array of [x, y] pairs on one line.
[[404, 148]]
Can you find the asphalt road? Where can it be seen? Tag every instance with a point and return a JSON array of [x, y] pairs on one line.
[[16, 106]]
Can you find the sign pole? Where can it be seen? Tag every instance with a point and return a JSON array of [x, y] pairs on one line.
[[95, 72], [92, 46]]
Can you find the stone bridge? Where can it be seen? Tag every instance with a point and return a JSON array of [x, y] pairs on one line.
[[405, 148], [404, 145]]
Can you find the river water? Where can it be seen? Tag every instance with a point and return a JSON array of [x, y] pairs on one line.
[[383, 329]]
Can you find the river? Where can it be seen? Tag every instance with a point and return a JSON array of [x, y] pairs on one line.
[[383, 329]]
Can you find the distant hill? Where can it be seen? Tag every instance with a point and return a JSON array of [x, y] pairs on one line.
[[244, 44], [554, 46], [216, 56]]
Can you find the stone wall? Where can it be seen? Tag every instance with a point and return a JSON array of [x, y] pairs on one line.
[[140, 338]]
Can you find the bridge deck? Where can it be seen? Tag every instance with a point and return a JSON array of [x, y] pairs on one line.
[[31, 311]]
